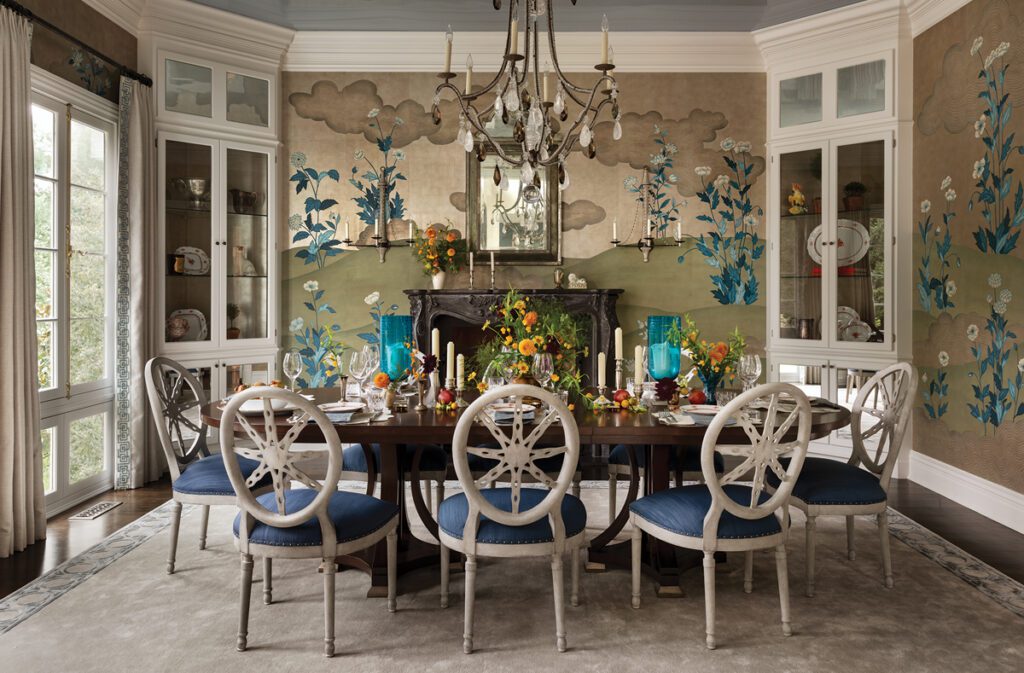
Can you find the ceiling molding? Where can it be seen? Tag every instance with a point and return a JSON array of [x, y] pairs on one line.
[[926, 13], [347, 51], [209, 28], [125, 13]]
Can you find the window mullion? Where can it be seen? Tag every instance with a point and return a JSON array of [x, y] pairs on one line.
[[64, 315]]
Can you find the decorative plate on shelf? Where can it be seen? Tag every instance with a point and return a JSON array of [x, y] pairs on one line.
[[197, 327], [857, 330], [846, 315], [852, 242], [197, 262]]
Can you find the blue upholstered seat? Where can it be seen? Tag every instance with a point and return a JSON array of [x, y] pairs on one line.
[[354, 515], [682, 511], [433, 458], [829, 482], [207, 476], [453, 511], [691, 459]]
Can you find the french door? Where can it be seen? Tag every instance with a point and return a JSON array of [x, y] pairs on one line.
[[75, 211]]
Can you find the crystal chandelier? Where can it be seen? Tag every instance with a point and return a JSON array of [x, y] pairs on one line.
[[519, 96]]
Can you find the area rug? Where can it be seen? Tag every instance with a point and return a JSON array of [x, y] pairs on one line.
[[114, 609]]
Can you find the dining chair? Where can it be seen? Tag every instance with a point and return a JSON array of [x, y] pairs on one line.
[[433, 467], [860, 486], [514, 522], [314, 522], [197, 477], [724, 515]]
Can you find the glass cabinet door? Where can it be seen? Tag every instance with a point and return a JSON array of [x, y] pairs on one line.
[[800, 245], [246, 244], [236, 373], [859, 243], [811, 379], [188, 241]]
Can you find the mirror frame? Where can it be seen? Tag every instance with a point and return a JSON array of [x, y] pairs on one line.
[[551, 255]]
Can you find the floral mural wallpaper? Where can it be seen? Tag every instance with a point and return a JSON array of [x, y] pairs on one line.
[[969, 182], [700, 135]]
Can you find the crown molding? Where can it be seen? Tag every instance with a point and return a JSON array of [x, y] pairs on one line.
[[125, 13], [926, 13], [350, 51], [207, 28]]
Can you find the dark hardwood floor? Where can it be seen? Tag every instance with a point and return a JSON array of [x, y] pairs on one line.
[[991, 542]]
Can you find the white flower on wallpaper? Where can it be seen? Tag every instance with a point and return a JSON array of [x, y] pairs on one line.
[[743, 147], [296, 325], [995, 280], [976, 47], [1020, 365], [721, 182], [297, 159], [946, 182], [950, 195], [295, 222], [311, 286], [728, 144], [373, 113], [979, 169], [980, 126], [372, 298], [926, 206], [702, 171], [359, 155], [943, 358], [972, 332], [951, 288]]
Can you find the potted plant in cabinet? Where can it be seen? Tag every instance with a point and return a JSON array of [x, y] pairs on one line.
[[233, 312]]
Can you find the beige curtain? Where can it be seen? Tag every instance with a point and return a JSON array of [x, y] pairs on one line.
[[137, 457], [22, 506]]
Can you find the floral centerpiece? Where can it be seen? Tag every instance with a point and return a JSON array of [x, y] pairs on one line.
[[713, 361], [519, 329], [440, 248]]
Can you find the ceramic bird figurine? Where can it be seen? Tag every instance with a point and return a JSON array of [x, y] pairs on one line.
[[797, 201]]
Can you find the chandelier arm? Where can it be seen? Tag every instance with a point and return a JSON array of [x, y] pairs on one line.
[[571, 137], [471, 116], [568, 86]]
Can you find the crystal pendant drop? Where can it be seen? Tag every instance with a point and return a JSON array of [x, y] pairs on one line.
[[460, 138], [512, 99], [528, 172], [518, 132], [617, 130], [504, 181], [544, 154], [435, 114], [585, 135], [563, 175], [499, 106], [559, 104], [497, 177], [590, 151], [468, 141]]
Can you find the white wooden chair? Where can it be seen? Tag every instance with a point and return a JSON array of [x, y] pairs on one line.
[[722, 515], [514, 521], [860, 486], [197, 477], [316, 522]]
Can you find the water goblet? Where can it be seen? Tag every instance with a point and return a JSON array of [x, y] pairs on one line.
[[749, 369], [543, 368], [292, 366], [359, 368]]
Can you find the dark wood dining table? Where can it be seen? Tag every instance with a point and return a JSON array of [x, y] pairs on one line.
[[663, 562]]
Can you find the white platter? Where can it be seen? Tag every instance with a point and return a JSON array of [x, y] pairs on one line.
[[197, 262], [846, 315], [852, 242], [197, 327], [857, 330]]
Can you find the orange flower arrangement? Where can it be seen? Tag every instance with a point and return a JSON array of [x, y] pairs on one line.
[[528, 347], [381, 380], [440, 247]]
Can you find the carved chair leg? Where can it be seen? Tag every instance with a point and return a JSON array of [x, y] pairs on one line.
[[809, 531], [446, 564], [393, 570], [558, 583], [636, 549], [203, 525], [748, 571], [439, 495], [574, 592], [709, 598], [850, 553], [175, 525], [783, 571], [467, 633], [613, 509], [246, 594], [330, 569], [268, 580], [883, 534]]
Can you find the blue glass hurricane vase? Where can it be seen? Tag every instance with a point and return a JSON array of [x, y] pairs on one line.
[[662, 352], [711, 381], [396, 345]]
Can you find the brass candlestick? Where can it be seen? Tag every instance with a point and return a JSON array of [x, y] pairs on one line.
[[460, 403], [421, 389], [618, 373]]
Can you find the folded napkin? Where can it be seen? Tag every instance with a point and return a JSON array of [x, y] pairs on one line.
[[339, 416], [674, 418]]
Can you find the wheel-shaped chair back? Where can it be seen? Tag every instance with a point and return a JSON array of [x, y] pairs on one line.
[[272, 448], [880, 414], [783, 431], [516, 454], [173, 393]]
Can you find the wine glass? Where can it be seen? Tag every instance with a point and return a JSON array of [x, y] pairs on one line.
[[359, 367], [373, 353], [292, 365], [543, 368], [749, 369]]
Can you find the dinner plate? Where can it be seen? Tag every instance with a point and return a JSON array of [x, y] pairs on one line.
[[197, 262], [858, 330], [852, 242], [511, 408], [337, 407], [255, 406], [197, 328], [846, 315], [702, 409]]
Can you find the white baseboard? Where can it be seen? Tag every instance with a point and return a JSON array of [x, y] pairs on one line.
[[987, 498]]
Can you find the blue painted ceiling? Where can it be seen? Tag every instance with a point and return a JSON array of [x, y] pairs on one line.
[[418, 15]]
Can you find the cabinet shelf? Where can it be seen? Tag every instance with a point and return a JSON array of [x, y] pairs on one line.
[[247, 275], [188, 275], [235, 213]]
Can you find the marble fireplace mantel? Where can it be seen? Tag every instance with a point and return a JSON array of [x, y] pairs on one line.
[[453, 311]]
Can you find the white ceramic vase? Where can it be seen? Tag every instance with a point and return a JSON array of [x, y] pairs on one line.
[[438, 280]]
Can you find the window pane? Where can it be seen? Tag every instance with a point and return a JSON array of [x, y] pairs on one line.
[[42, 140], [88, 151], [88, 286], [87, 220], [188, 89], [248, 99], [47, 439], [47, 355], [44, 284], [44, 214], [88, 356], [861, 88], [800, 100], [88, 439]]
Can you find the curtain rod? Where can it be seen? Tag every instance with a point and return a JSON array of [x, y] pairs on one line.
[[125, 70]]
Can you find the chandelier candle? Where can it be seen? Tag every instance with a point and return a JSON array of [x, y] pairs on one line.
[[604, 39], [469, 73], [448, 37]]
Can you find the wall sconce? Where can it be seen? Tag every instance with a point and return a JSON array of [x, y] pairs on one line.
[[380, 230], [648, 242]]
